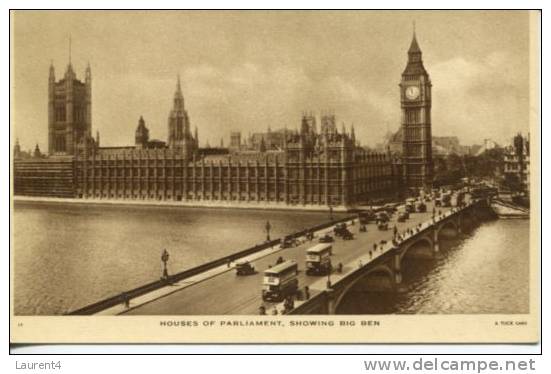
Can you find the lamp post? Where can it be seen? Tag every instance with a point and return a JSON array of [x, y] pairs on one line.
[[268, 227], [164, 258], [330, 212]]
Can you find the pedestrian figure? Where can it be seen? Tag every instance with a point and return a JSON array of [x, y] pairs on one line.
[[361, 264], [340, 267], [274, 311], [306, 292], [126, 300], [374, 246], [262, 310], [395, 230]]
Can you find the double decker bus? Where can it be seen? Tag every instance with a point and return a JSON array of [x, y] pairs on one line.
[[318, 259], [280, 281]]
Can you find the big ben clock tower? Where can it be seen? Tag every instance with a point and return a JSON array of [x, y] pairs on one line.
[[415, 93]]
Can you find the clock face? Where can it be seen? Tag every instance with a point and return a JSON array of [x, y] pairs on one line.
[[412, 92]]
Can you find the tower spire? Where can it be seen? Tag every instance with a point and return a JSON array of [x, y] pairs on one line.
[[69, 49], [414, 47], [178, 96]]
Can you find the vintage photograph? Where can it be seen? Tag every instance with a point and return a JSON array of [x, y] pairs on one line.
[[328, 176]]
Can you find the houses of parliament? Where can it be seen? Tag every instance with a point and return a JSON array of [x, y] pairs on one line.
[[310, 167]]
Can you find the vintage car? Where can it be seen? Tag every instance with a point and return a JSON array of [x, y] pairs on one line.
[[382, 226], [382, 217], [366, 216], [244, 268], [403, 216], [421, 207], [339, 229], [287, 242], [347, 235], [326, 239]]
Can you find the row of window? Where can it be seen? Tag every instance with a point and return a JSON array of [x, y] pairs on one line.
[[60, 114], [252, 173]]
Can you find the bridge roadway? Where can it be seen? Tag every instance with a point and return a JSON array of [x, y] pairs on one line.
[[227, 293]]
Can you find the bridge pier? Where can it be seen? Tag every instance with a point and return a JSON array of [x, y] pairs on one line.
[[435, 242], [397, 271]]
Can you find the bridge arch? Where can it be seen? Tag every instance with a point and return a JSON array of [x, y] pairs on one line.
[[447, 225], [468, 219], [423, 239], [379, 269]]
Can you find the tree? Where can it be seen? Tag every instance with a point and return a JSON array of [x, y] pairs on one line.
[[512, 182]]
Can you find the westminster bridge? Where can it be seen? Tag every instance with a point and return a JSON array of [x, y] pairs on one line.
[[374, 260], [380, 269]]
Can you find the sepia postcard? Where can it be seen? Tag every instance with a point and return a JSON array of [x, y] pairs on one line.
[[275, 176]]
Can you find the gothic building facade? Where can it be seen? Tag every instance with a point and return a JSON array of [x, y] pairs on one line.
[[313, 169], [305, 167], [69, 111]]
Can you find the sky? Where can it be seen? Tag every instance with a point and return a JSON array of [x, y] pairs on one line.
[[245, 71]]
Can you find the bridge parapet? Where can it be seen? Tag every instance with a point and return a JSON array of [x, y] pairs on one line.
[[385, 260]]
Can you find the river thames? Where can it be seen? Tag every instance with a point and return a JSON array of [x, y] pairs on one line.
[[483, 272], [66, 256]]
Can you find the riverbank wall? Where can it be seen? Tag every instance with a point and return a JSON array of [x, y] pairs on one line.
[[189, 204]]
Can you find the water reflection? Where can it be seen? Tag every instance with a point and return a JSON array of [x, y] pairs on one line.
[[66, 256], [485, 271]]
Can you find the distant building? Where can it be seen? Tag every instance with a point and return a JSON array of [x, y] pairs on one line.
[[270, 140], [486, 146], [304, 167], [235, 141], [393, 142], [516, 162]]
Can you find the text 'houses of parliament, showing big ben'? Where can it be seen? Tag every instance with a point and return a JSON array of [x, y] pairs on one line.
[[415, 93]]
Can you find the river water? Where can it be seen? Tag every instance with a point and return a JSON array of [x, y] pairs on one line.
[[66, 256], [485, 271]]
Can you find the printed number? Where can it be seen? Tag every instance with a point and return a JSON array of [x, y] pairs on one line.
[[57, 365], [19, 324]]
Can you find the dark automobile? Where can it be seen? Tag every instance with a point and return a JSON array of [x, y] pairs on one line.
[[340, 229], [382, 217], [366, 217], [382, 226], [244, 268], [421, 207], [347, 235], [403, 217], [287, 243], [326, 239]]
